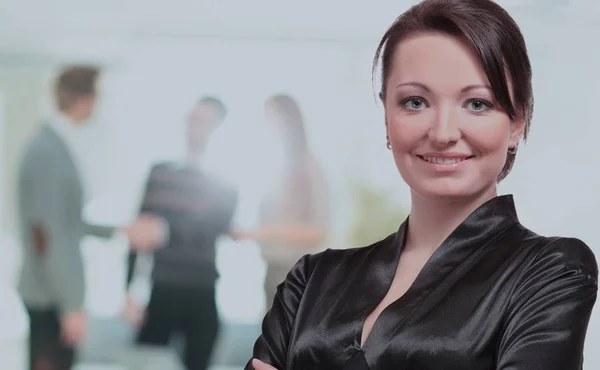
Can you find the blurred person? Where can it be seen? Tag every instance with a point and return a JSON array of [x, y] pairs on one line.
[[294, 213], [462, 284], [50, 203], [196, 208]]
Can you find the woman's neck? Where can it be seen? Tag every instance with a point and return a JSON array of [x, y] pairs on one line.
[[433, 220]]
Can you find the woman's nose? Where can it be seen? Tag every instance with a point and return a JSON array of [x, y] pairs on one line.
[[444, 127]]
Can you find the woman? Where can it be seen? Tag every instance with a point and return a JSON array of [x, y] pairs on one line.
[[462, 284], [294, 212]]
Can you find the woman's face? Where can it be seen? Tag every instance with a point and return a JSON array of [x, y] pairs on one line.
[[273, 139], [448, 135], [276, 123], [274, 119]]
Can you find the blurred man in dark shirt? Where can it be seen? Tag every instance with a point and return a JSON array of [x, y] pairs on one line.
[[196, 209]]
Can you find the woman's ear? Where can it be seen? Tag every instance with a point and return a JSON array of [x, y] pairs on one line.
[[516, 132], [382, 98]]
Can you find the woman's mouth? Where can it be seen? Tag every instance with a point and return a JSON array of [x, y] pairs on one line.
[[445, 162]]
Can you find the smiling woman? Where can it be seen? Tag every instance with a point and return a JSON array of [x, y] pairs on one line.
[[447, 130], [462, 284]]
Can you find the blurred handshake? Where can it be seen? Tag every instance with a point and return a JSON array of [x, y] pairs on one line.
[[146, 233]]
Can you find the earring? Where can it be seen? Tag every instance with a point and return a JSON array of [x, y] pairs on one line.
[[388, 144], [513, 150]]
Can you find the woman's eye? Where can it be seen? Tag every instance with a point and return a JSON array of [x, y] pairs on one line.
[[414, 103], [478, 105]]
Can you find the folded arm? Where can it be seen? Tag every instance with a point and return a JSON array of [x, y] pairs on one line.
[[272, 345], [551, 310]]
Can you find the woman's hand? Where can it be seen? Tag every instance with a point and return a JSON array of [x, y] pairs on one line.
[[300, 235], [238, 235], [259, 365]]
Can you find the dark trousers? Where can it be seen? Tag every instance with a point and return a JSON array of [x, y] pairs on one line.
[[189, 311], [46, 349]]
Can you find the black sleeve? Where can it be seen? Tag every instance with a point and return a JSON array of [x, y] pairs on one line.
[[271, 347], [551, 310], [132, 256]]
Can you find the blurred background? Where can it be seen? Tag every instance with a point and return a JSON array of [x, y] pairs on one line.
[[158, 58]]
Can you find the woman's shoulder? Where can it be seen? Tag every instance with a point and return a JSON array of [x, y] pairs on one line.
[[567, 252], [351, 255], [333, 265], [543, 258], [554, 271]]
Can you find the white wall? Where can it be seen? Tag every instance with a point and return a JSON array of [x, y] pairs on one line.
[[18, 91], [22, 89]]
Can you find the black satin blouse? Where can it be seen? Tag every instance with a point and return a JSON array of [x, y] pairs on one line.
[[494, 295]]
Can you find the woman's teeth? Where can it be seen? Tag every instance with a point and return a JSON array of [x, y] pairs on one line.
[[439, 160]]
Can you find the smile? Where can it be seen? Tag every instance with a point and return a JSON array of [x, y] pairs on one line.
[[444, 160], [445, 163]]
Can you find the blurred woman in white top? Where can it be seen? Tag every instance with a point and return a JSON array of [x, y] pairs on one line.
[[294, 211]]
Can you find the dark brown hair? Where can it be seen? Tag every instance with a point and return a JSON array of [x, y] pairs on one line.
[[217, 104], [299, 192], [293, 127], [75, 82], [493, 35]]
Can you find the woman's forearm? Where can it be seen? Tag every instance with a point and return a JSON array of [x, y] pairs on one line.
[[296, 234]]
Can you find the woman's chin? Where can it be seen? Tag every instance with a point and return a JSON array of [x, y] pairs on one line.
[[448, 190]]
